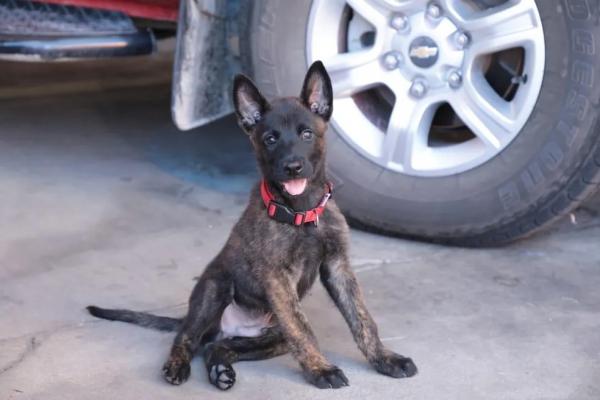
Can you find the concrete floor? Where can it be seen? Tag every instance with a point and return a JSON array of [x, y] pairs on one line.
[[102, 201]]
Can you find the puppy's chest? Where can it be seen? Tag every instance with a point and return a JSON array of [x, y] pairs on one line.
[[292, 244], [303, 264], [299, 252]]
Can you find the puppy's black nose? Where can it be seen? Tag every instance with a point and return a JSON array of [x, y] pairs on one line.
[[293, 168]]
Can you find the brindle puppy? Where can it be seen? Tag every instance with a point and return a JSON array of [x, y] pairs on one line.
[[246, 304]]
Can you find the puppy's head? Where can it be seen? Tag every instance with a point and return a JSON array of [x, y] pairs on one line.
[[288, 133]]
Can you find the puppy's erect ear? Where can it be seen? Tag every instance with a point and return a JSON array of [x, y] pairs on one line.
[[317, 93], [250, 105]]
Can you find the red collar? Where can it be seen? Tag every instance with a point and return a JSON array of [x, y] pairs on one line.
[[282, 213]]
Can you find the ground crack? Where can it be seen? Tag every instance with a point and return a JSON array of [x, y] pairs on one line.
[[32, 345]]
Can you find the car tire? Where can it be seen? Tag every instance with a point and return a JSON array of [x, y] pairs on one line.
[[551, 166]]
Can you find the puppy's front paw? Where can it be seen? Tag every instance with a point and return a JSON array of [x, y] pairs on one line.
[[176, 371], [395, 365], [327, 378], [221, 375]]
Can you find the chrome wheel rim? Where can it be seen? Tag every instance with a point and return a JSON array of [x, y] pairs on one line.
[[394, 64]]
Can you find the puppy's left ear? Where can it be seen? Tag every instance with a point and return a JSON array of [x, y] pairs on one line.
[[317, 93]]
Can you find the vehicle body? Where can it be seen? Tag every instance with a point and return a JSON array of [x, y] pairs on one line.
[[469, 122]]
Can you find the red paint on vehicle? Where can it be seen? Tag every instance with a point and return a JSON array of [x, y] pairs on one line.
[[163, 10]]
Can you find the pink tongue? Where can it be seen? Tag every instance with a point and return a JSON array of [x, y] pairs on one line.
[[295, 186]]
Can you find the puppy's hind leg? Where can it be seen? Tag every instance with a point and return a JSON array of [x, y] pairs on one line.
[[207, 302], [219, 355]]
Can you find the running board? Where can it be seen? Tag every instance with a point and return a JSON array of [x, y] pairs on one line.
[[74, 47], [31, 31]]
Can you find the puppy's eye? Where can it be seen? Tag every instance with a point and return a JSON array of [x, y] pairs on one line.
[[270, 139], [306, 134]]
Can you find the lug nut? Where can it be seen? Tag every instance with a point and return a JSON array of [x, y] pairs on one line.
[[399, 22], [462, 39], [418, 88], [434, 11], [392, 60], [454, 79]]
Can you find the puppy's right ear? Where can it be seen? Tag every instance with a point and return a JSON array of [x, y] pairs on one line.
[[250, 105]]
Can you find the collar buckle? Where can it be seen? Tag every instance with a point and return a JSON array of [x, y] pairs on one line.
[[282, 213]]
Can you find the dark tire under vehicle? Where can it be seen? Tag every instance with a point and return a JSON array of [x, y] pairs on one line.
[[550, 167]]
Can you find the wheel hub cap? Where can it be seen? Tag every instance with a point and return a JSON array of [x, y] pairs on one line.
[[423, 52], [420, 45]]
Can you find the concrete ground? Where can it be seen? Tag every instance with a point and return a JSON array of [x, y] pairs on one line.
[[103, 201]]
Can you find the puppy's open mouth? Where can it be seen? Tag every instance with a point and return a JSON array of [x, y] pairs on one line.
[[295, 187]]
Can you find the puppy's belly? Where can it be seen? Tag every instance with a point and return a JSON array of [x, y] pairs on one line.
[[238, 321]]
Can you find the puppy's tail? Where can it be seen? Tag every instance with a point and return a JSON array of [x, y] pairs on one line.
[[146, 320]]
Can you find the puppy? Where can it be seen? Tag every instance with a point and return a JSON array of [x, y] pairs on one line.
[[246, 304]]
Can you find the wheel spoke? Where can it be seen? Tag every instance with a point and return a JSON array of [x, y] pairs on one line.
[[354, 72], [371, 10], [407, 133], [512, 24], [487, 115]]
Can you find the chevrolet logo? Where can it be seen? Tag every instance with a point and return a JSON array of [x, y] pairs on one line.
[[423, 52]]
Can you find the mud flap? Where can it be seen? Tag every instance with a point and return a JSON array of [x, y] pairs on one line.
[[206, 59]]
